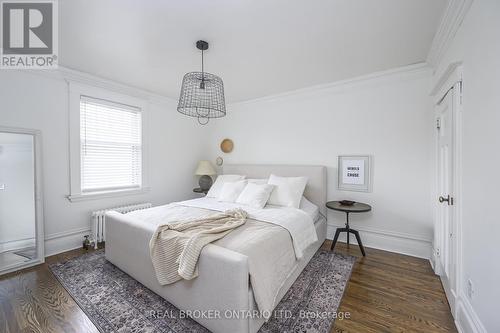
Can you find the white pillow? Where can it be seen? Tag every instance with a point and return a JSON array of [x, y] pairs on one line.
[[231, 191], [255, 195], [221, 179], [258, 181], [311, 209], [288, 190]]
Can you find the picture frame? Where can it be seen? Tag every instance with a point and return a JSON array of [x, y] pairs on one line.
[[355, 173]]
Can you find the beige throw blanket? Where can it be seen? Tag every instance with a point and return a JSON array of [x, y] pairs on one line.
[[175, 247]]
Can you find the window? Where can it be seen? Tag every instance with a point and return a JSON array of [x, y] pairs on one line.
[[107, 150], [110, 145]]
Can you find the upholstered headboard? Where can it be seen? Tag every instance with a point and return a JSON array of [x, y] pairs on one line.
[[316, 184]]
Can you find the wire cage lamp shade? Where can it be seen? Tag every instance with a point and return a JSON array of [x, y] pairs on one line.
[[201, 103], [202, 94]]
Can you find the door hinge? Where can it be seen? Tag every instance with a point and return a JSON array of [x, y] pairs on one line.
[[438, 123]]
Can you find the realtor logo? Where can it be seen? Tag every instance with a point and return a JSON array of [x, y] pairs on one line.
[[29, 34]]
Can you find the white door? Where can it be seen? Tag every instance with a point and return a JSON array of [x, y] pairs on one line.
[[445, 228]]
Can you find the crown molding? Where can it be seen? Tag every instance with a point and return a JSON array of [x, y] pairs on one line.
[[72, 75], [392, 75], [450, 23], [448, 78]]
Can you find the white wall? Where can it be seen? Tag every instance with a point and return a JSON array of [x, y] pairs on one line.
[[387, 115], [17, 198], [477, 45], [39, 102]]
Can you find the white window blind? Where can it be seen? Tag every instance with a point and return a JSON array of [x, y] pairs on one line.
[[111, 145]]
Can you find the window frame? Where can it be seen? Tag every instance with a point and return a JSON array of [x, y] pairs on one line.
[[76, 91]]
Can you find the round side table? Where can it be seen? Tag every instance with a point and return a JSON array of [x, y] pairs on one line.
[[357, 207]]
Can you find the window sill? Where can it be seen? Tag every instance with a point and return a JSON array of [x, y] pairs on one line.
[[106, 194]]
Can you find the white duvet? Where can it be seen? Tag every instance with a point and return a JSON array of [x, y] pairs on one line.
[[273, 238], [298, 223]]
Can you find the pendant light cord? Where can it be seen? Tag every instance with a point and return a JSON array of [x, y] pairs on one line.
[[202, 68], [202, 86]]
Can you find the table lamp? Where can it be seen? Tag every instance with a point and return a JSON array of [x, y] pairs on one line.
[[205, 170]]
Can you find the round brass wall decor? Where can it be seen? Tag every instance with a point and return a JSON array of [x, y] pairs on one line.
[[227, 145]]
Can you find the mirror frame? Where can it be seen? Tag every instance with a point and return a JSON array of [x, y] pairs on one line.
[[39, 225]]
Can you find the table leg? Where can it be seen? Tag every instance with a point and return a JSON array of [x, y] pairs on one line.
[[358, 238], [337, 233], [347, 227]]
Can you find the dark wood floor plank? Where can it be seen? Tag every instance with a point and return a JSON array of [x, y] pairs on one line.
[[409, 321], [397, 303], [34, 301], [396, 287], [387, 292]]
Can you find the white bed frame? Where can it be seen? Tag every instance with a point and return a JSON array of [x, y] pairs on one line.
[[223, 281]]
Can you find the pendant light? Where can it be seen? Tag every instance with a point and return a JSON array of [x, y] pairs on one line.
[[202, 94]]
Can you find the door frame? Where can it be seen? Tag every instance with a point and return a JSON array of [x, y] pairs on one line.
[[39, 215], [452, 78]]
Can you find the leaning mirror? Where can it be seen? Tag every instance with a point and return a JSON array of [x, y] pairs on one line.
[[21, 215]]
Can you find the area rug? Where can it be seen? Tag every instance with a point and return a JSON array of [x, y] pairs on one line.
[[115, 302]]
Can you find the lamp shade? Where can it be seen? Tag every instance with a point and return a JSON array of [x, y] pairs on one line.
[[205, 168], [202, 96], [202, 93]]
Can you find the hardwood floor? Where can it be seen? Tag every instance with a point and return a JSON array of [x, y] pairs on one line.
[[390, 292], [32, 300], [387, 292]]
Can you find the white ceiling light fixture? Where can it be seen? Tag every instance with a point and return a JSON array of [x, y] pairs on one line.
[[202, 94]]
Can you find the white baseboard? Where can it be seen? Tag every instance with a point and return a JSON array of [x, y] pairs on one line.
[[17, 244], [64, 241], [433, 261], [411, 245], [466, 318]]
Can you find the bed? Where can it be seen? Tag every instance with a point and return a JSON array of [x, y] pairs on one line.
[[224, 282]]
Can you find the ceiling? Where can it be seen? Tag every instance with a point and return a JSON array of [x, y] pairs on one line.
[[258, 47]]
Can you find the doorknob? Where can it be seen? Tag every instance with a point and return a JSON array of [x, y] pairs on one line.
[[448, 199]]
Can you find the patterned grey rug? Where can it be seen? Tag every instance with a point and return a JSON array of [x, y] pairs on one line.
[[115, 302]]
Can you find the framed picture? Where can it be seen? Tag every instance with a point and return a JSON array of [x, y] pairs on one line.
[[355, 173]]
